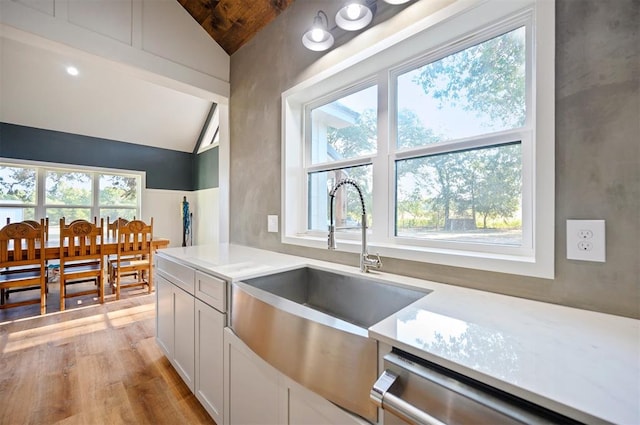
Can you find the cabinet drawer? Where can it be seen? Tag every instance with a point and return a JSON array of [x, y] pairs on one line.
[[211, 290], [180, 275]]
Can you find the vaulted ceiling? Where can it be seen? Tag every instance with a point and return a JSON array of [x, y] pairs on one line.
[[107, 102], [231, 23]]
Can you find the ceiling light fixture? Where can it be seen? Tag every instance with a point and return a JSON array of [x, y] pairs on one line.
[[354, 15], [318, 38], [72, 70]]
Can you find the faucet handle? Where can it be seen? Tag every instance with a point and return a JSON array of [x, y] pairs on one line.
[[372, 263]]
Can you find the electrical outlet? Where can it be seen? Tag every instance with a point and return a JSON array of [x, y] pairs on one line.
[[585, 233], [585, 246], [272, 223], [586, 240]]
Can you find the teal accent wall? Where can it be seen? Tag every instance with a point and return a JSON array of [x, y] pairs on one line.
[[165, 168], [206, 169]]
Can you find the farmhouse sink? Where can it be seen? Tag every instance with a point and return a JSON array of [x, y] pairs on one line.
[[311, 324]]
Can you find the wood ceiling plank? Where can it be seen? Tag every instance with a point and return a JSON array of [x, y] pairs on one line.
[[232, 23]]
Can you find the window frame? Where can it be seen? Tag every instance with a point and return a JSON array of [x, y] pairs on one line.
[[478, 22], [94, 172], [357, 161]]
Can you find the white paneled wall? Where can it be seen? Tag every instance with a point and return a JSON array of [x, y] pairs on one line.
[[165, 206], [206, 221], [148, 35]]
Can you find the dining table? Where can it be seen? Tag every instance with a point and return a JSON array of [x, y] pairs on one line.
[[109, 247]]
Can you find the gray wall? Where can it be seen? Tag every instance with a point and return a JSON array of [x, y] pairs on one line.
[[165, 168], [597, 151]]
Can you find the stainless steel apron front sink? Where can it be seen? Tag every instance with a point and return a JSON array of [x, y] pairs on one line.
[[311, 325]]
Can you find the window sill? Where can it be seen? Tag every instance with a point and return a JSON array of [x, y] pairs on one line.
[[541, 266]]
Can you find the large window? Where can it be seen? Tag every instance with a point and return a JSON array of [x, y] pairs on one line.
[[35, 191], [452, 145], [460, 121]]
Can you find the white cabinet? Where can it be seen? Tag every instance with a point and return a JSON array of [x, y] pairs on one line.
[[190, 319], [209, 388], [231, 382], [255, 394], [260, 394], [164, 315], [184, 346], [308, 408], [175, 327]]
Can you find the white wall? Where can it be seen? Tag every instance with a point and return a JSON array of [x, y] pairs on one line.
[[165, 206], [149, 36], [206, 221]]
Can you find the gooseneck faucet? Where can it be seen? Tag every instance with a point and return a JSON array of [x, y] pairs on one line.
[[366, 261]]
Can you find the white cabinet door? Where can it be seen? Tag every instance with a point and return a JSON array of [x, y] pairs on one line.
[[184, 341], [308, 408], [209, 326], [164, 315], [255, 394]]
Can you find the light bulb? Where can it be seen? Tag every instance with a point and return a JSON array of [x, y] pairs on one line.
[[353, 11], [317, 34], [353, 16]]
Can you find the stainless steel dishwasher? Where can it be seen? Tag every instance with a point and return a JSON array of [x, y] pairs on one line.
[[412, 390]]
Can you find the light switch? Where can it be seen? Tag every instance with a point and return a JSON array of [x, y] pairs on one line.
[[272, 223]]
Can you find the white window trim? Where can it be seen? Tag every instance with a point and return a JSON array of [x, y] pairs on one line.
[[461, 18], [40, 207]]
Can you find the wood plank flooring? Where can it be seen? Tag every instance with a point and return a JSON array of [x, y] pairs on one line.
[[91, 365]]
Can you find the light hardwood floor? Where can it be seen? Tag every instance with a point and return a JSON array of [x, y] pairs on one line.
[[91, 365]]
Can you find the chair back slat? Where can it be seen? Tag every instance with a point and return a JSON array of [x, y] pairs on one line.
[[36, 225], [42, 223], [112, 227], [80, 239], [134, 238], [21, 244]]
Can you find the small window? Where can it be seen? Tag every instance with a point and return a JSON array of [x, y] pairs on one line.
[[211, 137], [68, 194], [476, 91], [347, 208], [470, 196], [18, 193], [345, 128], [342, 139], [118, 196]]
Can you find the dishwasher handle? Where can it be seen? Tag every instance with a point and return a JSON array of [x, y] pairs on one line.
[[386, 400]]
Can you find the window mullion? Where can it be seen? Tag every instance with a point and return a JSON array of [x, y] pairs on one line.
[[95, 204], [41, 193], [380, 227]]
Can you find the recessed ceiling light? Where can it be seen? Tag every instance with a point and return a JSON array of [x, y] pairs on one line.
[[72, 70]]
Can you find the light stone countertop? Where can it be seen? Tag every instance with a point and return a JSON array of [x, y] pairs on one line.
[[583, 364]]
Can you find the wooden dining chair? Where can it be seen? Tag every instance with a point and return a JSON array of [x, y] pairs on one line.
[[5, 293], [112, 226], [22, 262], [36, 224], [134, 257], [112, 233], [81, 258]]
